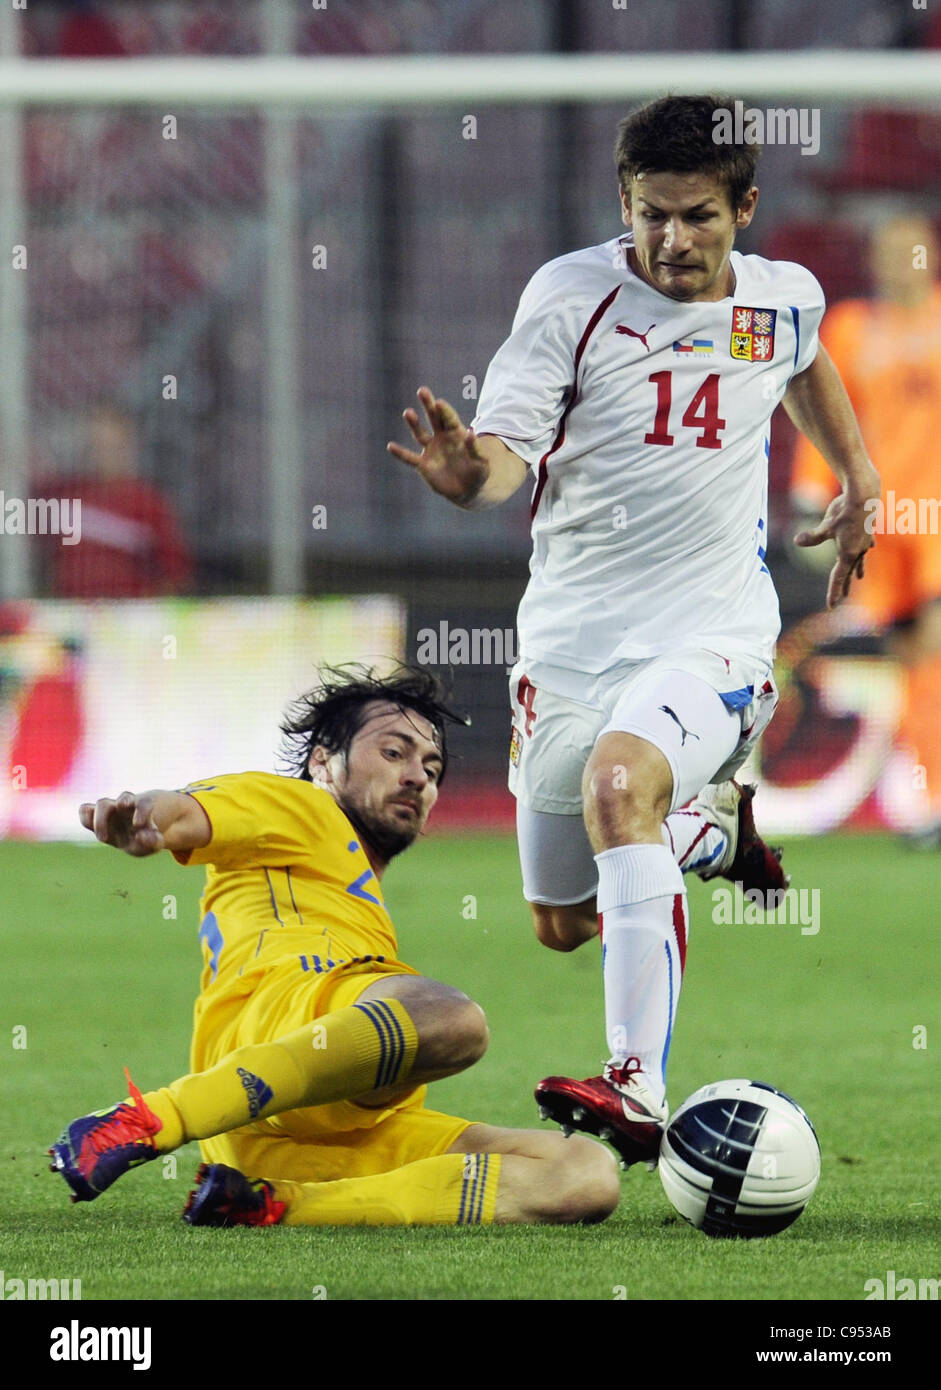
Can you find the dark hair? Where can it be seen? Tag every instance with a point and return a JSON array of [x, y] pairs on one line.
[[333, 713], [674, 135]]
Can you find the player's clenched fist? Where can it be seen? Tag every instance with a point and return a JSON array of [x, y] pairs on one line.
[[127, 823], [451, 460]]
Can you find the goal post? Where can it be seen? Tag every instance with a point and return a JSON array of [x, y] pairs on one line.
[[902, 79]]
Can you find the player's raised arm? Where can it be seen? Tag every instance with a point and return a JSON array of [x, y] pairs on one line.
[[819, 406], [472, 471], [147, 823]]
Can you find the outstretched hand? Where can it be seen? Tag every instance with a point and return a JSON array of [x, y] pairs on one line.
[[450, 460], [127, 823], [849, 525]]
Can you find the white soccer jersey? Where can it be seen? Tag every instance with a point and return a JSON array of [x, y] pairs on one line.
[[646, 423]]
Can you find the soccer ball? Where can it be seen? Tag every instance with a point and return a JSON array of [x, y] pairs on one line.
[[740, 1158]]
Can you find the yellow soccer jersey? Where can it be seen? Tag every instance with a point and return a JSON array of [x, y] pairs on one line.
[[287, 880]]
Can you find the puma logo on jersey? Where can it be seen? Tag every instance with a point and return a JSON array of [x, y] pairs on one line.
[[632, 333], [685, 732]]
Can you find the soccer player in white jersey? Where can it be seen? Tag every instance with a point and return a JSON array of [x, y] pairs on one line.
[[638, 384]]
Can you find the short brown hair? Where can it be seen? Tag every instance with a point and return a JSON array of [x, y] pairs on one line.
[[674, 135]]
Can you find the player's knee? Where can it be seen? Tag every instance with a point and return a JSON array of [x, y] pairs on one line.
[[563, 928], [456, 1036], [472, 1036], [548, 935], [609, 786], [586, 1187], [621, 801]]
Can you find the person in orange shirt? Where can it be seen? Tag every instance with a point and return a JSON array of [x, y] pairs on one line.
[[888, 353]]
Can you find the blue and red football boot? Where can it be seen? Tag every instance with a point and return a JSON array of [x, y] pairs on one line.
[[225, 1197], [95, 1150]]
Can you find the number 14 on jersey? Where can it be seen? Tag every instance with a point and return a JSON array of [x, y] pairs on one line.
[[701, 414]]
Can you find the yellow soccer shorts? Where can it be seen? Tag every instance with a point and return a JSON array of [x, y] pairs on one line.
[[324, 1142]]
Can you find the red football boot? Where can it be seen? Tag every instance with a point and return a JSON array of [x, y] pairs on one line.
[[618, 1107]]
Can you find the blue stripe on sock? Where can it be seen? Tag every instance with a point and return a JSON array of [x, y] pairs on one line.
[[380, 1028], [666, 1045], [475, 1185], [398, 1041], [387, 1070], [483, 1189]]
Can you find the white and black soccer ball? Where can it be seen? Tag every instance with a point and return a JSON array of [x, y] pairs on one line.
[[740, 1158]]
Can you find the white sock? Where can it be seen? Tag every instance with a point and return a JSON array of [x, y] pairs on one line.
[[694, 842], [642, 902]]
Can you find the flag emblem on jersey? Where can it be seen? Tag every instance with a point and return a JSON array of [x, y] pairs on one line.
[[700, 346], [753, 334], [516, 746]]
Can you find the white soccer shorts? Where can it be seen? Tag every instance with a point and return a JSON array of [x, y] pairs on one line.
[[703, 711]]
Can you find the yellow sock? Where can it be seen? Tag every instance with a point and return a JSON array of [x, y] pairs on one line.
[[345, 1054], [450, 1190]]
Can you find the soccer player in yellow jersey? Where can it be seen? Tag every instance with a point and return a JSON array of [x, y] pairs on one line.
[[313, 1043]]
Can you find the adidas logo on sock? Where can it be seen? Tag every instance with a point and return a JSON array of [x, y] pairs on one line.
[[259, 1093]]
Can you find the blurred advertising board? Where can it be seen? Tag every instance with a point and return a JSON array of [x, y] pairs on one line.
[[100, 697]]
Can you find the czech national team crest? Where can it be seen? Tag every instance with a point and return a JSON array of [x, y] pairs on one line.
[[753, 334]]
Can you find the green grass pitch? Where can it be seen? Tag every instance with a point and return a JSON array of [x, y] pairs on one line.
[[100, 974]]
